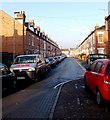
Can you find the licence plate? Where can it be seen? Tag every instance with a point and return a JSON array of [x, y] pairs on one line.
[[18, 78]]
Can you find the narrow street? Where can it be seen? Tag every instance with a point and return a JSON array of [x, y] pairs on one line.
[[37, 100], [60, 94], [55, 60]]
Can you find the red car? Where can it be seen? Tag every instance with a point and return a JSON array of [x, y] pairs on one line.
[[97, 78]]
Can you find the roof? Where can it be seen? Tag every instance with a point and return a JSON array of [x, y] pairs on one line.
[[108, 17], [64, 49], [101, 28]]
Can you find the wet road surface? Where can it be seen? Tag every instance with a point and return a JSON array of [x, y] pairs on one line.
[[37, 100]]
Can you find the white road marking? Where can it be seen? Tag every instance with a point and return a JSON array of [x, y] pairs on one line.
[[76, 86], [78, 101], [81, 76], [67, 81], [61, 84], [81, 66], [54, 105]]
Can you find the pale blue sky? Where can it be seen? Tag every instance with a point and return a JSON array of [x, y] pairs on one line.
[[67, 23]]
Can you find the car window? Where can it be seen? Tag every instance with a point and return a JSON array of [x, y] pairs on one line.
[[47, 60], [51, 59], [92, 66], [25, 59], [103, 56], [98, 67], [108, 69]]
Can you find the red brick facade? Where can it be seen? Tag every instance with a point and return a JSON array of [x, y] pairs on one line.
[[95, 42], [108, 28], [12, 40]]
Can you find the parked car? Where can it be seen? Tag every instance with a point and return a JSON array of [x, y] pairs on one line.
[[48, 64], [28, 66], [97, 78], [7, 77], [52, 62], [58, 59], [63, 56], [92, 57]]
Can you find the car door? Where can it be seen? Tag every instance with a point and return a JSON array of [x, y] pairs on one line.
[[97, 75], [41, 65], [89, 74]]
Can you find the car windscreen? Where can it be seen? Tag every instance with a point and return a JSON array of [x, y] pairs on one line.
[[98, 56], [50, 59], [93, 56], [25, 59]]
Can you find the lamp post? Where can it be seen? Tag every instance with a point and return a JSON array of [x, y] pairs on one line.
[[19, 15]]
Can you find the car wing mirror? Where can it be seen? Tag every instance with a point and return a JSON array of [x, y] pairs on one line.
[[88, 68], [46, 62], [39, 61]]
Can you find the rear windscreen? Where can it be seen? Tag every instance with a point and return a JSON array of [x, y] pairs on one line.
[[99, 56]]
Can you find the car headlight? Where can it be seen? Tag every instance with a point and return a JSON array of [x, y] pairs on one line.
[[11, 69], [31, 69]]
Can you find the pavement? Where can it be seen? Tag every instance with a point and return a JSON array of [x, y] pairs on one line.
[[74, 102]]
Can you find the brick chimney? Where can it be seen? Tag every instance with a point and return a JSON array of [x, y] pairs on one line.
[[96, 26]]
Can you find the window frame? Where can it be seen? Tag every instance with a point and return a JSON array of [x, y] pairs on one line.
[[98, 69], [101, 38]]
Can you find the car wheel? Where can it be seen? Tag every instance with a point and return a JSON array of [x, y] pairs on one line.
[[46, 69], [36, 78], [99, 99], [15, 85]]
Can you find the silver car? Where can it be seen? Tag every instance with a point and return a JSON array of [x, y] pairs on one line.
[[28, 66]]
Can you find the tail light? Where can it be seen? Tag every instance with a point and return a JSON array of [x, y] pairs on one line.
[[107, 79]]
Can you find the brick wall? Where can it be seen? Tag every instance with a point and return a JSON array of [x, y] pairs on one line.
[[7, 34]]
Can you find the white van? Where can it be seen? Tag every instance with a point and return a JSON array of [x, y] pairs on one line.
[[28, 66]]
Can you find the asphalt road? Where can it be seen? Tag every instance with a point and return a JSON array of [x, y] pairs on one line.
[[38, 100]]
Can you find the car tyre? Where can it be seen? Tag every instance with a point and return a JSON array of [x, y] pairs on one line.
[[99, 99], [36, 78], [15, 85]]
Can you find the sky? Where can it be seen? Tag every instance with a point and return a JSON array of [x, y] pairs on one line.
[[66, 23]]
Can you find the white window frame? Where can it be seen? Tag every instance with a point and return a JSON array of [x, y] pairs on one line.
[[100, 49], [100, 33], [32, 40], [29, 40]]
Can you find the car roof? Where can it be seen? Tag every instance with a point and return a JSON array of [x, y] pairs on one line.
[[98, 54], [30, 55]]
